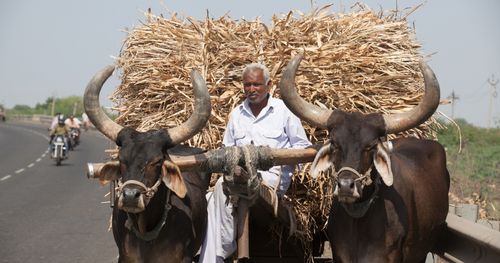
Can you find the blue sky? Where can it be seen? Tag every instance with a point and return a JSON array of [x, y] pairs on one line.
[[54, 47]]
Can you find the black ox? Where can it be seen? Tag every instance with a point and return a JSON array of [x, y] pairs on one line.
[[160, 213], [391, 198]]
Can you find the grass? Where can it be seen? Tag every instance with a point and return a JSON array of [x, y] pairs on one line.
[[475, 168]]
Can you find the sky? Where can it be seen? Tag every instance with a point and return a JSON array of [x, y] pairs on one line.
[[53, 47]]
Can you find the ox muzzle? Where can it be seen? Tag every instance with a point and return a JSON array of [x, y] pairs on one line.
[[134, 196], [350, 184]]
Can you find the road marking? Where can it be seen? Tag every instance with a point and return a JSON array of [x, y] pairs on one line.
[[37, 160], [5, 177]]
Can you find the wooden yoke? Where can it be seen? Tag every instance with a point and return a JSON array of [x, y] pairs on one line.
[[205, 161]]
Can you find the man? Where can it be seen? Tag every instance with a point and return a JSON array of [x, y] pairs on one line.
[[73, 122], [60, 129], [259, 120], [85, 121], [55, 119], [74, 125]]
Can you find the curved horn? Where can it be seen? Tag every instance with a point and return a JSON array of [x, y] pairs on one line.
[[306, 111], [395, 123], [93, 109], [200, 115]]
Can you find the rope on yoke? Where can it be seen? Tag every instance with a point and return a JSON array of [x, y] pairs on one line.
[[242, 183], [223, 159]]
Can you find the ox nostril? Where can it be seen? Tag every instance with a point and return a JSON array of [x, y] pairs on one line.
[[131, 193], [346, 185]]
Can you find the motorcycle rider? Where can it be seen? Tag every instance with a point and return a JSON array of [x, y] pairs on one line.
[[85, 121], [53, 124], [60, 129], [74, 124]]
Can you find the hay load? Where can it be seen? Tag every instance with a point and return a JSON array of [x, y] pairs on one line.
[[361, 61]]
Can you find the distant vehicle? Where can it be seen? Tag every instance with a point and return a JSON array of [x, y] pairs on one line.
[[74, 138], [2, 114], [58, 149]]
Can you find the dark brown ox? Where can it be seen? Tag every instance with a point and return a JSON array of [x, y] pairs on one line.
[[391, 198], [160, 213]]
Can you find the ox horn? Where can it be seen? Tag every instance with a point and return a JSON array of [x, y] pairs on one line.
[[200, 115], [306, 111], [93, 109], [399, 122], [108, 127]]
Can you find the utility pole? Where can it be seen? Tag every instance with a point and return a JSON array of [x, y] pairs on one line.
[[493, 83], [53, 105], [74, 108], [453, 98]]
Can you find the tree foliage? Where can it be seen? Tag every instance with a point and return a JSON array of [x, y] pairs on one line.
[[67, 106]]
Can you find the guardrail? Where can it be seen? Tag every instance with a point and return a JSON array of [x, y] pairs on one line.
[[45, 119], [468, 241], [38, 118]]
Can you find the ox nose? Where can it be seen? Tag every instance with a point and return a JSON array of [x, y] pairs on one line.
[[347, 187], [130, 194]]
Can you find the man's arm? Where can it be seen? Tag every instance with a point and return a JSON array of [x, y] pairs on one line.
[[228, 139], [296, 133]]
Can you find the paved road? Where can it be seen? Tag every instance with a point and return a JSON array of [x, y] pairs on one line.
[[49, 213]]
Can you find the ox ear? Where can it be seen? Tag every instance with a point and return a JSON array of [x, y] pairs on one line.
[[323, 160], [110, 171], [172, 178], [382, 162]]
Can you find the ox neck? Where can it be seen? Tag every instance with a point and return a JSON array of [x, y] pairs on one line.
[[148, 224]]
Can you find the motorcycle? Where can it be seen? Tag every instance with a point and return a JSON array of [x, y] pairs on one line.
[[59, 151], [74, 135]]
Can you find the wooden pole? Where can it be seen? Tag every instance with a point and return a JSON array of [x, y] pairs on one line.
[[280, 157], [192, 163], [243, 239]]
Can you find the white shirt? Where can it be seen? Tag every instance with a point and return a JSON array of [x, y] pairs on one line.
[[85, 117], [73, 124], [276, 127]]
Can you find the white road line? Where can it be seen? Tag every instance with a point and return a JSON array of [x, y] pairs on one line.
[[37, 160], [6, 177]]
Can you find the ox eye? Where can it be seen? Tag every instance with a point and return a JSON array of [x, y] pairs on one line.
[[334, 146], [156, 162], [370, 147]]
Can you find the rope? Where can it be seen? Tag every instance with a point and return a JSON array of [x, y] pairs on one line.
[[249, 189], [153, 234], [365, 178], [147, 191]]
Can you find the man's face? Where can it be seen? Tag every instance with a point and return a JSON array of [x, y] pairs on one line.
[[254, 86]]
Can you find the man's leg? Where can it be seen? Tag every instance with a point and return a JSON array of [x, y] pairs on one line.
[[219, 241]]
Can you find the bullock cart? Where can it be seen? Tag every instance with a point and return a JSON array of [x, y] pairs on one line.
[[358, 62]]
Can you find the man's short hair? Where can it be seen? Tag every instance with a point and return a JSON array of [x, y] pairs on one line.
[[254, 66]]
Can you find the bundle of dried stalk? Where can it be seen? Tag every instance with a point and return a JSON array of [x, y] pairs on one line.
[[361, 61]]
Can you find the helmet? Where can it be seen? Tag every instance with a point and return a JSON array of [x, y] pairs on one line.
[[60, 119]]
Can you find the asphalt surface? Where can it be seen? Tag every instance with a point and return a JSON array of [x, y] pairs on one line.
[[51, 213]]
